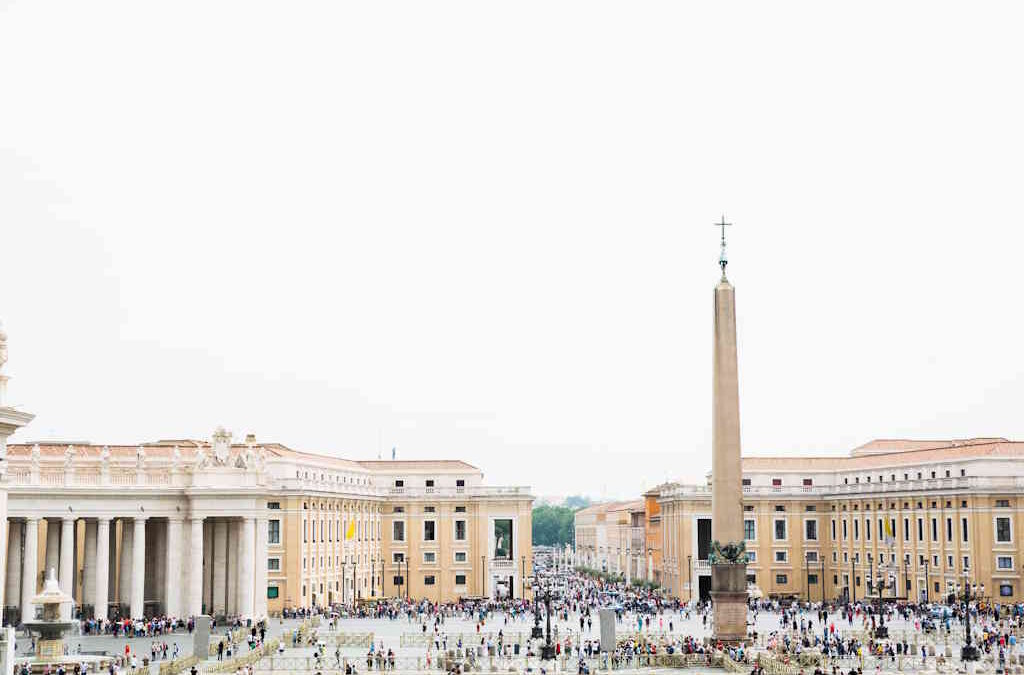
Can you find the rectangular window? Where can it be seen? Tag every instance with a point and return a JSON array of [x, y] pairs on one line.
[[808, 482], [748, 530], [429, 557], [920, 529], [460, 530], [833, 529], [781, 580], [780, 529], [429, 530], [429, 509], [781, 556], [273, 505], [305, 529], [397, 557], [460, 579], [949, 529], [776, 482], [273, 564], [906, 529], [460, 509], [751, 556], [398, 580], [812, 556], [963, 530], [967, 562], [867, 529], [856, 529], [1006, 590], [1002, 503], [935, 529], [398, 530], [745, 482], [845, 533], [812, 579], [1003, 530], [460, 556], [428, 580], [399, 483], [273, 531], [811, 530], [459, 482], [430, 482], [272, 592]]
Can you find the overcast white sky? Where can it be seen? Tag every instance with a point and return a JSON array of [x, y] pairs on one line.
[[482, 230]]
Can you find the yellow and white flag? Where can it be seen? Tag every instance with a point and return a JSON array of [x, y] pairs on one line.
[[351, 532]]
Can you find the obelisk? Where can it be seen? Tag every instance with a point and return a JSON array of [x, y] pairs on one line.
[[728, 576]]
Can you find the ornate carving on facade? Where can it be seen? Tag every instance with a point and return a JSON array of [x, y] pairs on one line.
[[221, 446]]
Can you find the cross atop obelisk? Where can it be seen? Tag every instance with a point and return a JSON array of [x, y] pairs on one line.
[[722, 260]]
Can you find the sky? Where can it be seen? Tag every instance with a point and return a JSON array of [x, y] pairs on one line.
[[483, 230]]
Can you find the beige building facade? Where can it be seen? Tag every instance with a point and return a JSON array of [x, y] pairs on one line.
[[247, 529], [919, 515]]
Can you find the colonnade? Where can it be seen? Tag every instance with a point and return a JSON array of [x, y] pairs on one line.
[[140, 565]]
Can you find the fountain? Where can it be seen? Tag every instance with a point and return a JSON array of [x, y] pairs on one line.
[[50, 630]]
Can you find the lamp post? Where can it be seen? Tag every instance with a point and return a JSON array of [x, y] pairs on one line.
[[483, 583], [881, 630], [547, 651], [344, 582], [537, 632], [522, 579], [969, 654], [689, 575], [408, 581], [926, 589]]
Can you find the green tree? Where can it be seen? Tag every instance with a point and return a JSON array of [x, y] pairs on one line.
[[553, 525]]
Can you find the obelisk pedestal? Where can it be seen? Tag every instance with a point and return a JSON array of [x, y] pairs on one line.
[[728, 577]]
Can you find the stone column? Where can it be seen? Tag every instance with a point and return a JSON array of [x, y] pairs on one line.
[[13, 580], [111, 561], [231, 580], [172, 568], [90, 549], [100, 585], [124, 576], [246, 576], [262, 534], [220, 566], [52, 547], [5, 526], [28, 568], [138, 567], [67, 562], [195, 580]]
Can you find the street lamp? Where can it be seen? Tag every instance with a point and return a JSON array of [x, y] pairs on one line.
[[547, 650], [969, 653], [522, 580], [881, 630], [689, 576]]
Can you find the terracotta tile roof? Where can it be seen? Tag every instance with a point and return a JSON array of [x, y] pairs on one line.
[[946, 451], [634, 505], [417, 464]]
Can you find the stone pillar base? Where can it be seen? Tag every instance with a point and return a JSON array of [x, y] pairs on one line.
[[729, 602]]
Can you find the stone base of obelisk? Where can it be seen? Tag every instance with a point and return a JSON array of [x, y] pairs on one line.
[[729, 602]]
